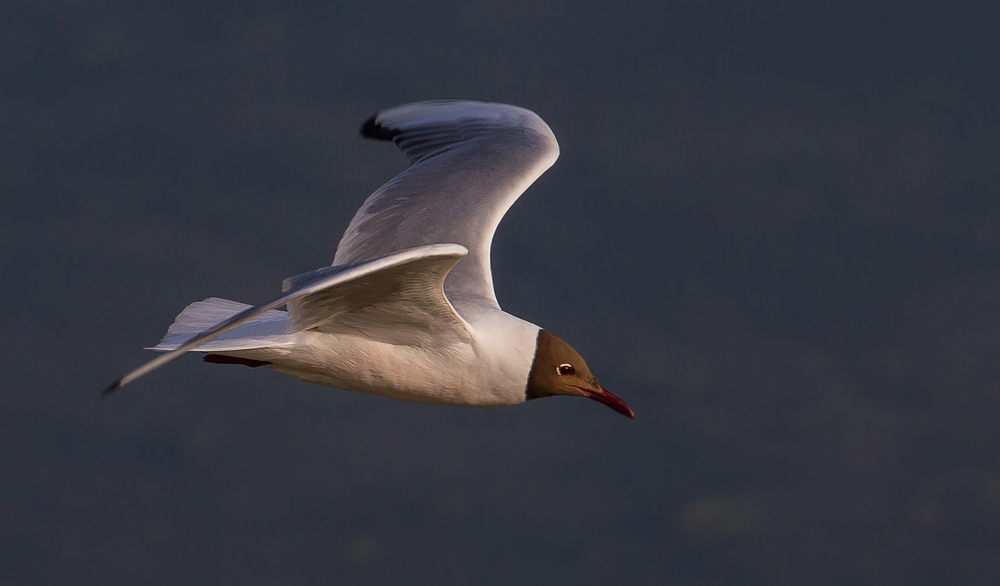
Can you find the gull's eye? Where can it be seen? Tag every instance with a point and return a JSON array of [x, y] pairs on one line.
[[564, 369]]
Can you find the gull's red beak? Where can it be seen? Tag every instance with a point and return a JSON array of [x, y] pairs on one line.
[[605, 397]]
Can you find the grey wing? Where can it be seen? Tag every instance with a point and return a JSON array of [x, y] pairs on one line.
[[402, 303], [469, 162], [395, 297]]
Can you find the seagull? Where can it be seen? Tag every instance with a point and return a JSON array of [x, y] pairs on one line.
[[407, 309]]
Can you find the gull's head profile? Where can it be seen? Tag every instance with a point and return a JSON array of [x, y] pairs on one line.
[[558, 369]]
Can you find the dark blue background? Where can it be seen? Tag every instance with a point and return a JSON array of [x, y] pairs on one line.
[[773, 230]]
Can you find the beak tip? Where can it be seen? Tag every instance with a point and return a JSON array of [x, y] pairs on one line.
[[607, 398]]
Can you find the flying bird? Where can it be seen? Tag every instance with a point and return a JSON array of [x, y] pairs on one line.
[[407, 310]]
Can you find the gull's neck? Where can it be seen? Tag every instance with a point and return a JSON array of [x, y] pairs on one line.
[[504, 346]]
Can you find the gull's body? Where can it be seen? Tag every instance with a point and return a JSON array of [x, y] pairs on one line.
[[487, 367], [407, 310]]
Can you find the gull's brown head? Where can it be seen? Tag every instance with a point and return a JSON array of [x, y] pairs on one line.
[[558, 369]]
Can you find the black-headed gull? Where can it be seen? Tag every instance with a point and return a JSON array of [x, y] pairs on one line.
[[407, 310]]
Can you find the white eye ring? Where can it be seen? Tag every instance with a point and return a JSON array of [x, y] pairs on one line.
[[564, 369]]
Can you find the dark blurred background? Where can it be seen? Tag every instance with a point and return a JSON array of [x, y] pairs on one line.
[[773, 230]]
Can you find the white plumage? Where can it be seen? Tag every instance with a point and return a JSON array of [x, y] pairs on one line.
[[407, 310]]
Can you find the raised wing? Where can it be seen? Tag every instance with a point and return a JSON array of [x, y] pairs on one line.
[[369, 289], [469, 162]]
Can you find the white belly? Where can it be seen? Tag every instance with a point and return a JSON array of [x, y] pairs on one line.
[[463, 374]]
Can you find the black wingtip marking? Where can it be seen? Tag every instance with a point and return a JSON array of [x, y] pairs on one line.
[[111, 388], [371, 129]]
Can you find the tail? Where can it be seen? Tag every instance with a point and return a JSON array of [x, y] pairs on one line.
[[266, 330]]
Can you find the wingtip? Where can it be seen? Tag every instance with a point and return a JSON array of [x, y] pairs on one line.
[[111, 388], [372, 129]]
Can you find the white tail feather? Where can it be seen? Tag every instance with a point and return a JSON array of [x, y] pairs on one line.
[[265, 330]]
